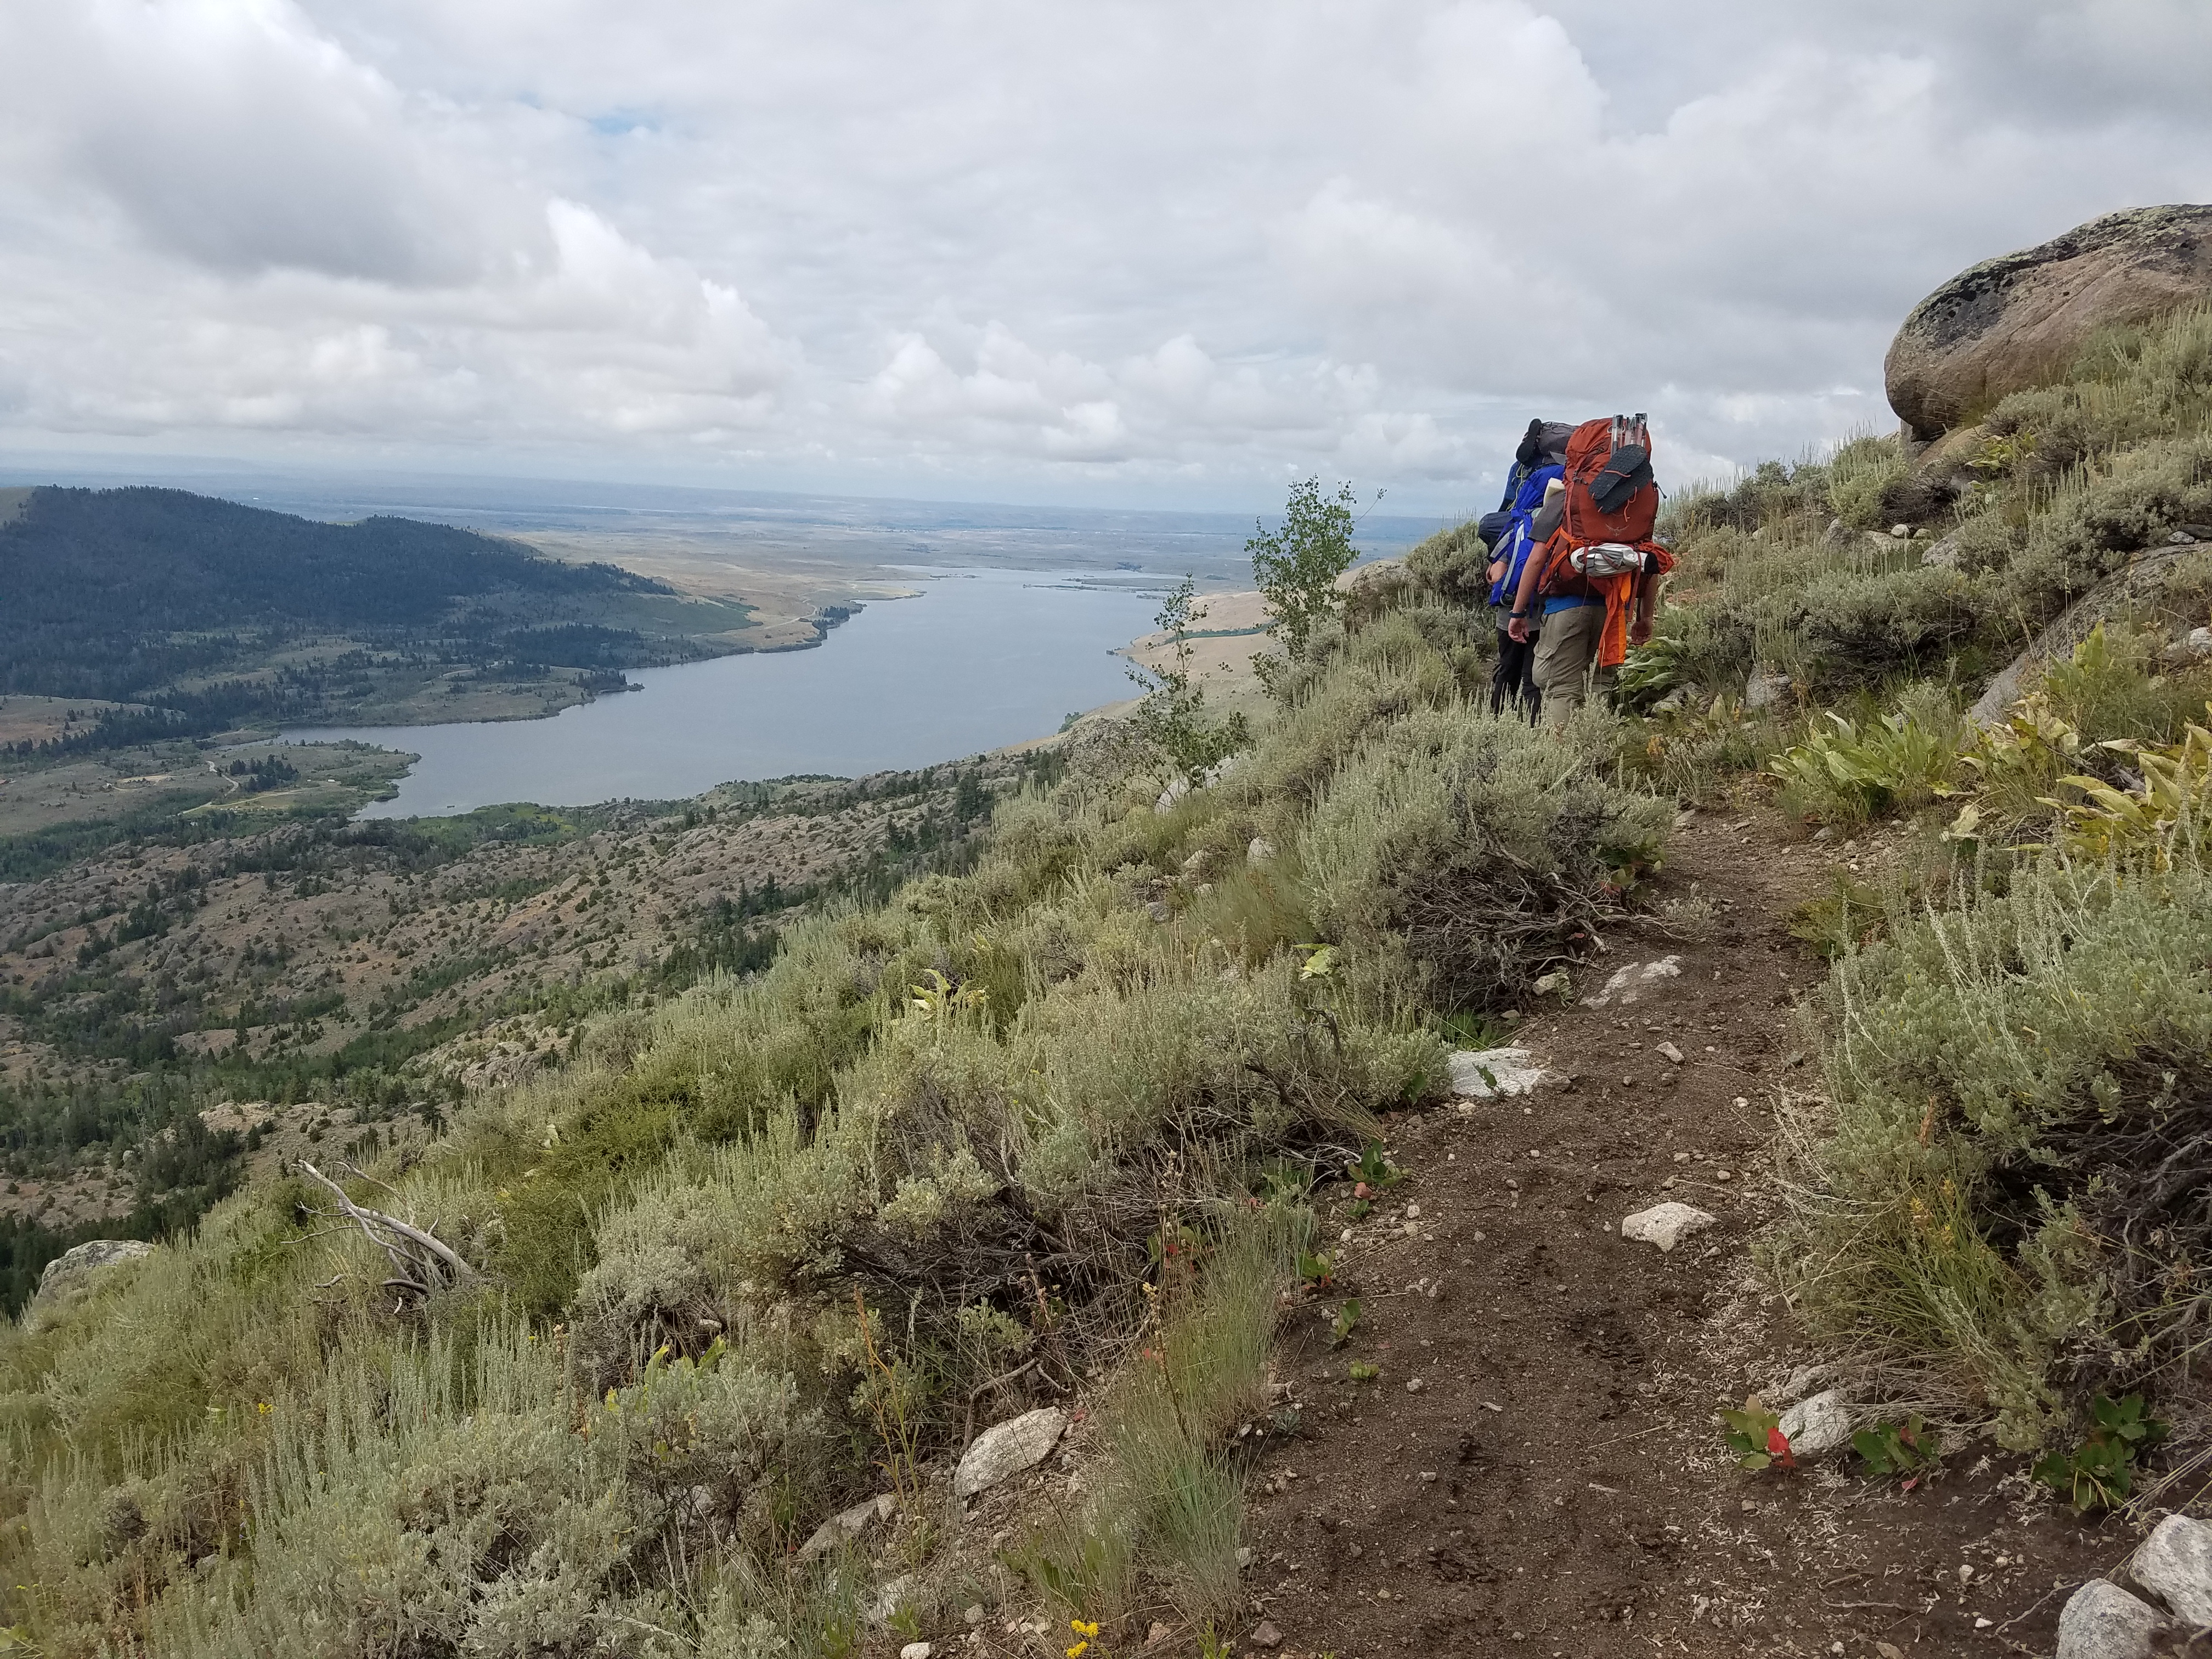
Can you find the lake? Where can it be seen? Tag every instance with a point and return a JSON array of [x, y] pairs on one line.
[[983, 658]]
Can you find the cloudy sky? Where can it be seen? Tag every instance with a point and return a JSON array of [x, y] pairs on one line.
[[1129, 251]]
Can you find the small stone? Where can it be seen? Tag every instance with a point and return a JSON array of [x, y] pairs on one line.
[[1723, 1174], [1158, 1634], [1665, 1224], [1244, 1555], [1489, 1073], [915, 1651], [1629, 983], [1260, 850], [1903, 533], [847, 1524], [974, 1617], [2103, 1621], [1818, 1422], [1007, 1448], [1553, 984], [1670, 1054], [2175, 1565], [1888, 1651], [1415, 1386], [1412, 1212], [1264, 1635]]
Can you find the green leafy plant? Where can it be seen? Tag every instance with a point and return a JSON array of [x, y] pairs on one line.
[[2100, 1473], [1315, 1269], [1754, 1435], [1859, 771], [1374, 1171], [1347, 1322], [1172, 717], [1295, 566], [1896, 1449], [1360, 1371]]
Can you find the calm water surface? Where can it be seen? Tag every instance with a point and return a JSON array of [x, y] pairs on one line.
[[982, 659]]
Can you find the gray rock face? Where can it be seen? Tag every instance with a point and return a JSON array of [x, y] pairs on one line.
[[2010, 322], [1007, 1448], [68, 1273], [2103, 1621], [2175, 1565]]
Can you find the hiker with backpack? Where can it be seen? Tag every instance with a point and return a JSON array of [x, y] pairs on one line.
[[1590, 591], [1534, 501]]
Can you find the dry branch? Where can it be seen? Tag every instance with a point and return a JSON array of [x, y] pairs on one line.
[[421, 1262]]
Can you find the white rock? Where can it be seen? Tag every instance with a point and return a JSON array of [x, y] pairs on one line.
[[2175, 1565], [915, 1651], [1818, 1422], [2103, 1621], [1174, 791], [1944, 555], [2194, 647], [1902, 532], [890, 1598], [70, 1270], [1264, 1635], [1553, 984], [1665, 1224], [1765, 689], [1487, 1073], [1007, 1448], [1630, 982], [1670, 1054], [1260, 850], [846, 1524]]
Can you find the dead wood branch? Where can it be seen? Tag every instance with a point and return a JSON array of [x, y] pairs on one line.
[[421, 1262]]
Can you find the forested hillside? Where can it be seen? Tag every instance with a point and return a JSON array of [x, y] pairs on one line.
[[214, 613]]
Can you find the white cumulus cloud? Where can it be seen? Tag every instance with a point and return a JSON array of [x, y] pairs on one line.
[[1132, 251]]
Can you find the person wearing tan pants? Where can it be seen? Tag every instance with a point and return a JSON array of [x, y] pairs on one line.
[[1567, 668]]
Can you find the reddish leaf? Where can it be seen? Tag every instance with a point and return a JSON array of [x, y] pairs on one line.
[[1777, 1446]]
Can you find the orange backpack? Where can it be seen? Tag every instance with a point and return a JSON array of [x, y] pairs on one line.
[[1611, 495]]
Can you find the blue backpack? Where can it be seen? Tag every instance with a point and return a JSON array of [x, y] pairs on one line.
[[1517, 542]]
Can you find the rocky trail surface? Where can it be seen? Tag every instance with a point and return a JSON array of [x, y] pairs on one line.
[[1537, 1467]]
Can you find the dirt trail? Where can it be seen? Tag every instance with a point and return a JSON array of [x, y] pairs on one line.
[[1538, 1468]]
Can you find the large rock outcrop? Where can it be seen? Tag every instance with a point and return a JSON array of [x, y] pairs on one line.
[[2016, 320], [73, 1270]]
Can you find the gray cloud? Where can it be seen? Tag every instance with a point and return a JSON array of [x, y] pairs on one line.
[[1132, 251]]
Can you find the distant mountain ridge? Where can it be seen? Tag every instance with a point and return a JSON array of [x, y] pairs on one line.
[[161, 596], [114, 560]]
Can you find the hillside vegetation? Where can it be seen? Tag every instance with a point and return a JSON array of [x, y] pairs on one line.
[[1044, 1129], [224, 989], [768, 1244]]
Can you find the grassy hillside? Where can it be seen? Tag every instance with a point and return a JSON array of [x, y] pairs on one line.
[[357, 979], [755, 1250], [1043, 1130]]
